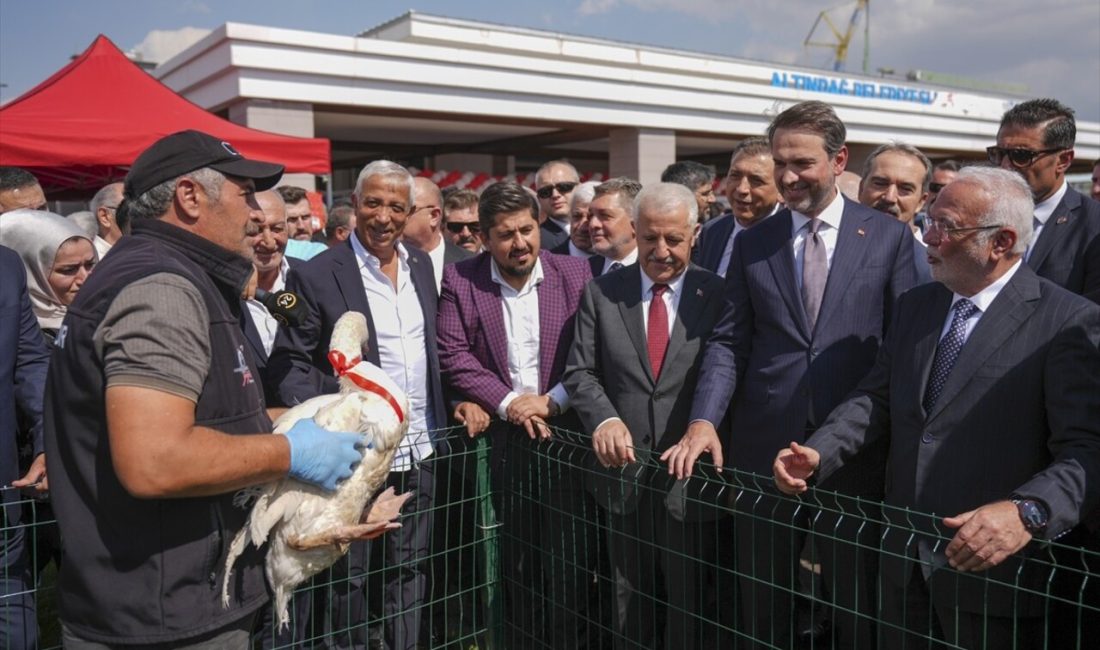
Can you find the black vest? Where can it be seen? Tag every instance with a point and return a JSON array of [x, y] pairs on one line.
[[148, 570]]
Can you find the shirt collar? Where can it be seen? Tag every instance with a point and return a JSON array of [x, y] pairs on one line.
[[674, 287], [533, 280], [630, 258], [984, 298], [1044, 209], [830, 216], [367, 258]]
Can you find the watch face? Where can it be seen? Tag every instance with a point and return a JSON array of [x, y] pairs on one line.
[[1032, 515]]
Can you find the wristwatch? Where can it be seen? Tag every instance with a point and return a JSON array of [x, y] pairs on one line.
[[1033, 514], [553, 407]]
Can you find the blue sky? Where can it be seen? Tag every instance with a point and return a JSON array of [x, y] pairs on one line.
[[1006, 41]]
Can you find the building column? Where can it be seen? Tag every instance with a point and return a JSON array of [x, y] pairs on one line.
[[641, 154], [287, 118]]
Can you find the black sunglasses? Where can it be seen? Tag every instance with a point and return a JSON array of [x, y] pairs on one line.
[[1018, 157], [936, 187], [457, 226], [562, 188]]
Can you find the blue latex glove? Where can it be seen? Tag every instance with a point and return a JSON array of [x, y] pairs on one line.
[[323, 458]]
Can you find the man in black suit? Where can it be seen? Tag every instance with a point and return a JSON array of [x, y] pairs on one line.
[[1036, 140], [554, 185], [809, 295], [987, 393], [424, 228], [633, 392], [614, 241], [393, 286], [23, 362], [895, 181], [753, 197]]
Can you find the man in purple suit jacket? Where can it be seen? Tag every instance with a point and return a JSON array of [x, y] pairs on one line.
[[505, 328]]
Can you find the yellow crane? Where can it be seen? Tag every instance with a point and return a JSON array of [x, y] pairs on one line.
[[840, 45]]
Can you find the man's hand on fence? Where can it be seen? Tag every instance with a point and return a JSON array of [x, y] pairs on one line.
[[35, 476], [473, 416], [613, 444], [986, 537], [537, 428], [527, 406], [700, 437], [793, 467]]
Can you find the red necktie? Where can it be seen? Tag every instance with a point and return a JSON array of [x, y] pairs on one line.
[[657, 331]]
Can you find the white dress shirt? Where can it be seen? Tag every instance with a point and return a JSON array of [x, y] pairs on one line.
[[521, 327], [399, 325], [437, 264], [830, 225], [630, 258], [576, 252], [982, 300], [101, 246], [266, 325], [1043, 211]]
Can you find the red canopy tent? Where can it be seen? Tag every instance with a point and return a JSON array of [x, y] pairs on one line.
[[83, 127]]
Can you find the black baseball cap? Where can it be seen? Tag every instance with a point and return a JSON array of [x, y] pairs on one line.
[[183, 152]]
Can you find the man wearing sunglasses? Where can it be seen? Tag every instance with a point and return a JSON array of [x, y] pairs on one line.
[[460, 220], [554, 184], [1036, 141]]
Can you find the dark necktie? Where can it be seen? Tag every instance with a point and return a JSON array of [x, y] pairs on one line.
[[815, 272], [615, 266], [657, 330], [947, 352]]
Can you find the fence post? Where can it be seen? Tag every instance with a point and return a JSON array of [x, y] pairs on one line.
[[490, 545]]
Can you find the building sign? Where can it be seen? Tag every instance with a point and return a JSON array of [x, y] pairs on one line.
[[852, 88]]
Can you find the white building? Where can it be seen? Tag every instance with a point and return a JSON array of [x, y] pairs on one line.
[[454, 94]]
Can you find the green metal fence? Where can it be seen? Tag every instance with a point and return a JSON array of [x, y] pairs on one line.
[[534, 545]]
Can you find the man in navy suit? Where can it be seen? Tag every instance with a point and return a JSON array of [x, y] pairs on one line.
[[809, 296], [23, 362], [987, 392], [1036, 141], [753, 197], [394, 287], [554, 185], [612, 230]]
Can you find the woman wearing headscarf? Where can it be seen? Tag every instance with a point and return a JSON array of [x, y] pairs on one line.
[[58, 255]]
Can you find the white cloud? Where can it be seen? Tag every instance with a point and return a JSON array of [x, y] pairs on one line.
[[160, 45]]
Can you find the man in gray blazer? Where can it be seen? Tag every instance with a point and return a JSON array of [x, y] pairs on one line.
[[809, 295], [987, 393], [631, 373]]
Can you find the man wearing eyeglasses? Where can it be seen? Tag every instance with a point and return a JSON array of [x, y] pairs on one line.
[[460, 220], [987, 395], [554, 185], [104, 206], [424, 228], [1036, 141]]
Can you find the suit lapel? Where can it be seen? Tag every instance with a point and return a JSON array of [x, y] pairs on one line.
[[628, 295], [1057, 228], [851, 248], [716, 245], [490, 312], [1012, 306], [782, 267], [349, 280], [550, 320], [692, 299], [252, 334]]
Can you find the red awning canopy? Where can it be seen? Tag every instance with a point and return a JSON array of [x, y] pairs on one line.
[[83, 127]]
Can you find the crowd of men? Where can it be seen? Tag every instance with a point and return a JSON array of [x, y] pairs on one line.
[[932, 345]]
